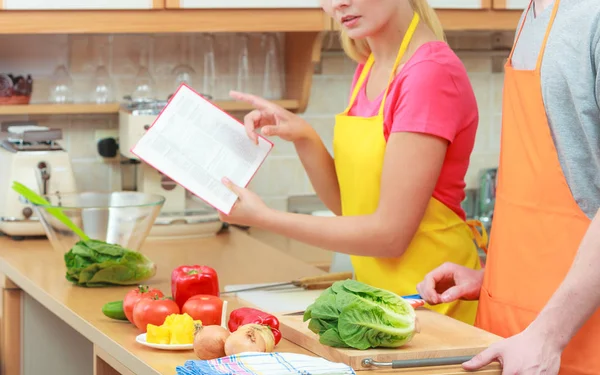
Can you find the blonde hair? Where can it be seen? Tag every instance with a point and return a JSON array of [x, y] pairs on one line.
[[359, 50]]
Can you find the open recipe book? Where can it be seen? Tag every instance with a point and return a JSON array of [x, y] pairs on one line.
[[196, 144]]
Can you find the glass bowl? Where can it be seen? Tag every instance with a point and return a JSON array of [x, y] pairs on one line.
[[122, 218]]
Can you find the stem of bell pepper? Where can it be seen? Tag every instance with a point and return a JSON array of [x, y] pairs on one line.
[[248, 315], [188, 281]]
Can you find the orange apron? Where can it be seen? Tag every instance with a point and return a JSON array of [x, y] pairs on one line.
[[537, 226], [359, 149]]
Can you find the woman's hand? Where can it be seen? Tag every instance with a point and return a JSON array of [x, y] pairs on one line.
[[272, 119], [450, 282], [249, 208]]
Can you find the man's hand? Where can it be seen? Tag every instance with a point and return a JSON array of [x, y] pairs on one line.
[[528, 353], [450, 282]]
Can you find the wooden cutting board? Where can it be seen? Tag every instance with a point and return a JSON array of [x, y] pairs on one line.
[[440, 336]]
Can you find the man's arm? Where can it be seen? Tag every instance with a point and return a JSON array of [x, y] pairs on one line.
[[578, 296], [537, 350]]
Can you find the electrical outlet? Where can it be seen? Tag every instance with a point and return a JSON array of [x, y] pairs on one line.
[[103, 134]]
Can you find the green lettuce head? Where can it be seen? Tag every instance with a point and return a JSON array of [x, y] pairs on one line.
[[94, 263], [351, 314]]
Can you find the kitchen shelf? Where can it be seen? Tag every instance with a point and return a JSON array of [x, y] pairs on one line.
[[113, 108], [219, 20], [161, 21], [472, 19]]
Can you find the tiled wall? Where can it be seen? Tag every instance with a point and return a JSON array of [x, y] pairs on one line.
[[282, 175]]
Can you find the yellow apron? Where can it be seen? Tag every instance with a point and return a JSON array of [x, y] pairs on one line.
[[359, 148]]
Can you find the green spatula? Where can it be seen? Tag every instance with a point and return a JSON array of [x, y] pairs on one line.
[[34, 198]]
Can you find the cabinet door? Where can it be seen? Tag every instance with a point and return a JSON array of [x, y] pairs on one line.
[[461, 4], [242, 4], [80, 4], [511, 4]]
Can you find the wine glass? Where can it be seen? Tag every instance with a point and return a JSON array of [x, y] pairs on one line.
[[273, 84], [102, 82], [243, 64], [183, 72], [61, 90], [144, 82], [209, 75]]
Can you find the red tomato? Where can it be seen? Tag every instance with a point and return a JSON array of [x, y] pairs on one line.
[[153, 311], [134, 295], [204, 307]]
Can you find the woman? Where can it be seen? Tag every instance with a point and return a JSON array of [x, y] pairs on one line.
[[401, 150]]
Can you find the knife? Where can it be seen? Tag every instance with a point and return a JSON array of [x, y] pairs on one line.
[[307, 283]]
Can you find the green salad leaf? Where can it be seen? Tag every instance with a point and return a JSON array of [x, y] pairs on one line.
[[352, 314], [94, 263]]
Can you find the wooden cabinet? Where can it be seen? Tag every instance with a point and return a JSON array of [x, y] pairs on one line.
[[511, 4], [242, 4], [461, 4], [81, 5]]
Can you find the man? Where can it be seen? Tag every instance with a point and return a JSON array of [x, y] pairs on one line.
[[541, 288]]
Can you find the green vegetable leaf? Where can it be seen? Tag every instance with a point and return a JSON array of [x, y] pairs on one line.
[[370, 326], [353, 314], [332, 338], [94, 263]]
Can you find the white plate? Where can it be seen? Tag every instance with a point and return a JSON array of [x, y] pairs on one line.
[[142, 340]]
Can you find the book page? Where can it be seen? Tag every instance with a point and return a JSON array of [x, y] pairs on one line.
[[196, 144]]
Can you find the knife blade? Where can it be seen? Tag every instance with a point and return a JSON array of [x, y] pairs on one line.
[[307, 283]]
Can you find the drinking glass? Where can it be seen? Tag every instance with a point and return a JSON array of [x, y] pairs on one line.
[[209, 75], [183, 72], [272, 82], [61, 89], [144, 82], [243, 64], [102, 82]]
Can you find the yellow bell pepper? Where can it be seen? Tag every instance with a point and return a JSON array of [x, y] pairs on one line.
[[177, 329], [158, 334]]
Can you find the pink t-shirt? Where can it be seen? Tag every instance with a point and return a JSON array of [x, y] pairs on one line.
[[431, 94]]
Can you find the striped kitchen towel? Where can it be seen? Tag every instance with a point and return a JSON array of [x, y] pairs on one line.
[[265, 364]]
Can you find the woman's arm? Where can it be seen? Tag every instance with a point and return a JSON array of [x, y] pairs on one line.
[[320, 169], [411, 169], [276, 121]]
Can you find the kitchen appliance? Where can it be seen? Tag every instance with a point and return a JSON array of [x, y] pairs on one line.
[[183, 215], [31, 155]]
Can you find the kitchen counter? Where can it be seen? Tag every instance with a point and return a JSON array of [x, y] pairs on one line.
[[42, 311]]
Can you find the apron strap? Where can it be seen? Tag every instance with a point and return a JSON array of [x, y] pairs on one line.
[[407, 38], [367, 68], [548, 28], [359, 82], [552, 17], [481, 239]]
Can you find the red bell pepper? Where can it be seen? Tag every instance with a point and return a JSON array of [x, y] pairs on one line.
[[188, 281], [248, 315]]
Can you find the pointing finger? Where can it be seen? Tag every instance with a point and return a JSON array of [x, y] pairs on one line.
[[257, 102]]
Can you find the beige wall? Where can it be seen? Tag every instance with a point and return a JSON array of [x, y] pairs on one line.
[[282, 175]]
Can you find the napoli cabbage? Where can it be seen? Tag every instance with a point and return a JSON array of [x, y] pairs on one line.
[[351, 314]]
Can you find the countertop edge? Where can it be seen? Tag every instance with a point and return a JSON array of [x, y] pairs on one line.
[[79, 324]]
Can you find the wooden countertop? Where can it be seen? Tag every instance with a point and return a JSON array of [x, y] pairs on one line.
[[238, 258]]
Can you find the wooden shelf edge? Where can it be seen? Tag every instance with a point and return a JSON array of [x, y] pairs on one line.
[[479, 19], [160, 21], [472, 19], [113, 108]]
